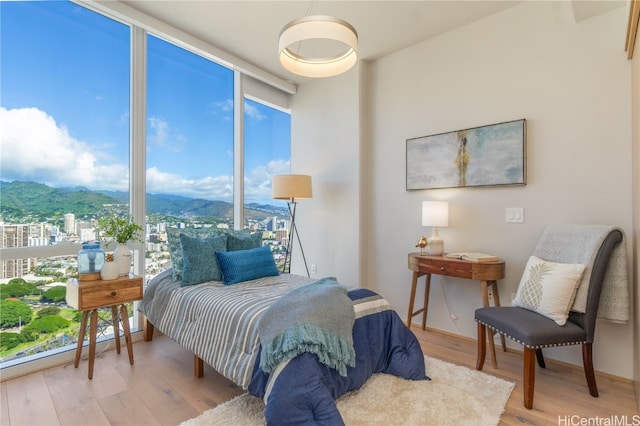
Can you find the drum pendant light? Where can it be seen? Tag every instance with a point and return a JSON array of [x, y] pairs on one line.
[[313, 28]]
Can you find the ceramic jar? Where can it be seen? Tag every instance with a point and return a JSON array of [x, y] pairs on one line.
[[122, 257]]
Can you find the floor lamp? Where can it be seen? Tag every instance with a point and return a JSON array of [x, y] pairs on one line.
[[291, 188]]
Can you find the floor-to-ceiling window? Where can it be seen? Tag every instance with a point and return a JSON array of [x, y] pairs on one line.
[[267, 150], [66, 143], [64, 115], [189, 145]]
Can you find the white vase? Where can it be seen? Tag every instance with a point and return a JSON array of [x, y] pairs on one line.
[[109, 271], [122, 257]]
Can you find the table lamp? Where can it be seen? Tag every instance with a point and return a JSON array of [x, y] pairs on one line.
[[435, 214]]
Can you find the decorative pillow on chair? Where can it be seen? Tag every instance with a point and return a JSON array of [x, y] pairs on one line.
[[244, 265], [199, 259], [549, 288]]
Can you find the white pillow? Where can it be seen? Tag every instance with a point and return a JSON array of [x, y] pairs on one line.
[[549, 288]]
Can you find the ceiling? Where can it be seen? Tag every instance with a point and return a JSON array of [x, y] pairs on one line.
[[250, 29]]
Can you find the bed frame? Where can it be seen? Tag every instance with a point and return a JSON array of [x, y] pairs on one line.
[[198, 363]]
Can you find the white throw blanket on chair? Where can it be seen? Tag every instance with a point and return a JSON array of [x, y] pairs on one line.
[[585, 240]]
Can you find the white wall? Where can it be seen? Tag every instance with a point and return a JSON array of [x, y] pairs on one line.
[[325, 143], [570, 81], [572, 84]]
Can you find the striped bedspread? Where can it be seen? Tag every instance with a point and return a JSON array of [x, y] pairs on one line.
[[216, 322]]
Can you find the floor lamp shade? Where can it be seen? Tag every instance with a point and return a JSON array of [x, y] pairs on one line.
[[291, 187]]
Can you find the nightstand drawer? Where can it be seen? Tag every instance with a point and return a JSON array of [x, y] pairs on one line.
[[448, 268], [85, 295]]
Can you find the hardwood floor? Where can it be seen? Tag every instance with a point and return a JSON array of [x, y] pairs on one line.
[[160, 389]]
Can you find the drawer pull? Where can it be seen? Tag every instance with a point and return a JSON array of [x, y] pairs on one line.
[[442, 268], [113, 294]]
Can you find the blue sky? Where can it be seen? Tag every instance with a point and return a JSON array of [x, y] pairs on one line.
[[64, 110]]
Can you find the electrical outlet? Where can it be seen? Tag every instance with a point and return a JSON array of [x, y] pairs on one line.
[[514, 215], [313, 268]]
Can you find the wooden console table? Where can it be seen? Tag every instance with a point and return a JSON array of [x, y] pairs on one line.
[[89, 296], [488, 273]]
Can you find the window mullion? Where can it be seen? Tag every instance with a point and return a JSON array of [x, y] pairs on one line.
[[137, 180], [238, 151]]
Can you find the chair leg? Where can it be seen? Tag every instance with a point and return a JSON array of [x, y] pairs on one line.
[[482, 348], [587, 360], [540, 358], [529, 376]]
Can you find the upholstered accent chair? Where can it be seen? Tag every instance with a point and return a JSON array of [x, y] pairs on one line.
[[536, 331]]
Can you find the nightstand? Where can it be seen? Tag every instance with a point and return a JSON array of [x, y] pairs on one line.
[[487, 273], [89, 296]]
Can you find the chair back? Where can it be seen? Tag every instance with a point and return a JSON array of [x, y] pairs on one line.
[[575, 244]]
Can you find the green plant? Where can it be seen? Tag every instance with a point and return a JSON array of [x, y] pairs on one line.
[[119, 229]]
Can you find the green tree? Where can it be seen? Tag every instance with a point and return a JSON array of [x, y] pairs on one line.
[[10, 340], [47, 324], [14, 312], [49, 310], [17, 287], [54, 294]]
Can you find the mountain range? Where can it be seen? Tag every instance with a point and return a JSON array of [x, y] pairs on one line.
[[38, 202]]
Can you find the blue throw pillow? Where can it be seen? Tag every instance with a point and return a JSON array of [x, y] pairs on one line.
[[244, 265], [199, 259], [244, 242], [175, 248]]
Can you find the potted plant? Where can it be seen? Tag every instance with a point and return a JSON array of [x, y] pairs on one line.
[[121, 230]]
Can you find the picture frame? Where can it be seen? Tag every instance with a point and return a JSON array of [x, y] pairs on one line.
[[491, 155]]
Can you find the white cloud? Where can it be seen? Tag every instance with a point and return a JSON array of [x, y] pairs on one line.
[[226, 106], [160, 129], [160, 134], [210, 188], [252, 112], [257, 183], [33, 147]]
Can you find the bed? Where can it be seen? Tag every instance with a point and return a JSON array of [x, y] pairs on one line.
[[221, 325]]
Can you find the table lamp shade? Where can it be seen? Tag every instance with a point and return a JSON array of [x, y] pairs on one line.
[[290, 187], [435, 213]]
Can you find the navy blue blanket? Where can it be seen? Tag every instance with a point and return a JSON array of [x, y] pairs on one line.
[[302, 391]]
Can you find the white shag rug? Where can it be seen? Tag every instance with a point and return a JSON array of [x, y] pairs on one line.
[[454, 396]]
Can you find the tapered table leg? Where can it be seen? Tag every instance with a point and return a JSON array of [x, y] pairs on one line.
[[127, 333], [81, 333], [93, 328]]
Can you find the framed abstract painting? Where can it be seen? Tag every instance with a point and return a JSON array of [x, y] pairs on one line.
[[490, 155]]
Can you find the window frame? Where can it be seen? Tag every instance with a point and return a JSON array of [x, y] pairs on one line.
[[249, 82]]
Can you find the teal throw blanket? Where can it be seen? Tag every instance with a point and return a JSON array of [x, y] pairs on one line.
[[316, 318]]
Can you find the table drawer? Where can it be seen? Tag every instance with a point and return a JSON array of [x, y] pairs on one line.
[[103, 293], [449, 268]]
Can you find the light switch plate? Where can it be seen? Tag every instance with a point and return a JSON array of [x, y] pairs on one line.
[[514, 215]]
